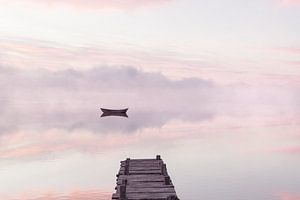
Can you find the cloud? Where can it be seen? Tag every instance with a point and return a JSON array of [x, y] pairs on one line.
[[29, 145], [73, 195], [290, 2], [125, 4], [292, 50], [70, 99], [24, 53], [98, 4], [289, 196], [44, 112], [289, 150]]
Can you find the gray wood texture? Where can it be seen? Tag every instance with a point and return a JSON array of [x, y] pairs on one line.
[[144, 179]]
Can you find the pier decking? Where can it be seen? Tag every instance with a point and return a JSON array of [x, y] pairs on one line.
[[144, 179]]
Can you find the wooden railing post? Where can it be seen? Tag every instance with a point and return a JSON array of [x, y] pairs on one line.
[[123, 189], [167, 180], [126, 171], [164, 169], [122, 192]]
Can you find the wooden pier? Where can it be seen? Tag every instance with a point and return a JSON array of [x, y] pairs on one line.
[[144, 179]]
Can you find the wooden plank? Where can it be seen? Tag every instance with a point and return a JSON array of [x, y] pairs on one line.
[[149, 190], [143, 172], [148, 196], [149, 179], [149, 185], [133, 196], [143, 165], [136, 181], [140, 176], [142, 161], [142, 168]]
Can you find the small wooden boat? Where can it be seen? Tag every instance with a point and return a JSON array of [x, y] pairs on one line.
[[104, 110], [112, 112]]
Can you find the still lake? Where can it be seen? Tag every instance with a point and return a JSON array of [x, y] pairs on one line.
[[71, 153]]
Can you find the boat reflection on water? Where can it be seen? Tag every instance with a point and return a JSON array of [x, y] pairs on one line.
[[111, 112]]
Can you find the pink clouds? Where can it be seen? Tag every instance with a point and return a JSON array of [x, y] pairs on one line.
[[289, 196], [292, 50], [25, 53], [108, 3], [104, 4], [290, 2], [289, 150], [72, 195], [35, 145]]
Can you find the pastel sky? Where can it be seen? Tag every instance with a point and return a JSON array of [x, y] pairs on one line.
[[220, 40], [217, 79]]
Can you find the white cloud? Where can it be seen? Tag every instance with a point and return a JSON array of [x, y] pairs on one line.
[[70, 99]]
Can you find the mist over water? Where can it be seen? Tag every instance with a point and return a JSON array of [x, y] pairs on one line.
[[219, 142]]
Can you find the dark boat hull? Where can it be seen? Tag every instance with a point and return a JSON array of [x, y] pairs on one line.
[[112, 112]]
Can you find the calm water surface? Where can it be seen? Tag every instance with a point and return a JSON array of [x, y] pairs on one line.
[[74, 154]]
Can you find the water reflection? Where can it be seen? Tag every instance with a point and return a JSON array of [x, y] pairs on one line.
[[88, 119], [77, 194], [217, 144], [225, 157]]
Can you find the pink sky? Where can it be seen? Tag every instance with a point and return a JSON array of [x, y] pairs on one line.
[[289, 196], [218, 80], [180, 39], [289, 150], [96, 4], [291, 2]]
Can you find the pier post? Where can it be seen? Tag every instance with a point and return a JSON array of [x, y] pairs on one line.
[[126, 172], [123, 192], [164, 169], [167, 180]]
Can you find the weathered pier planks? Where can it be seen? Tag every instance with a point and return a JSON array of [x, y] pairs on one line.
[[144, 179]]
